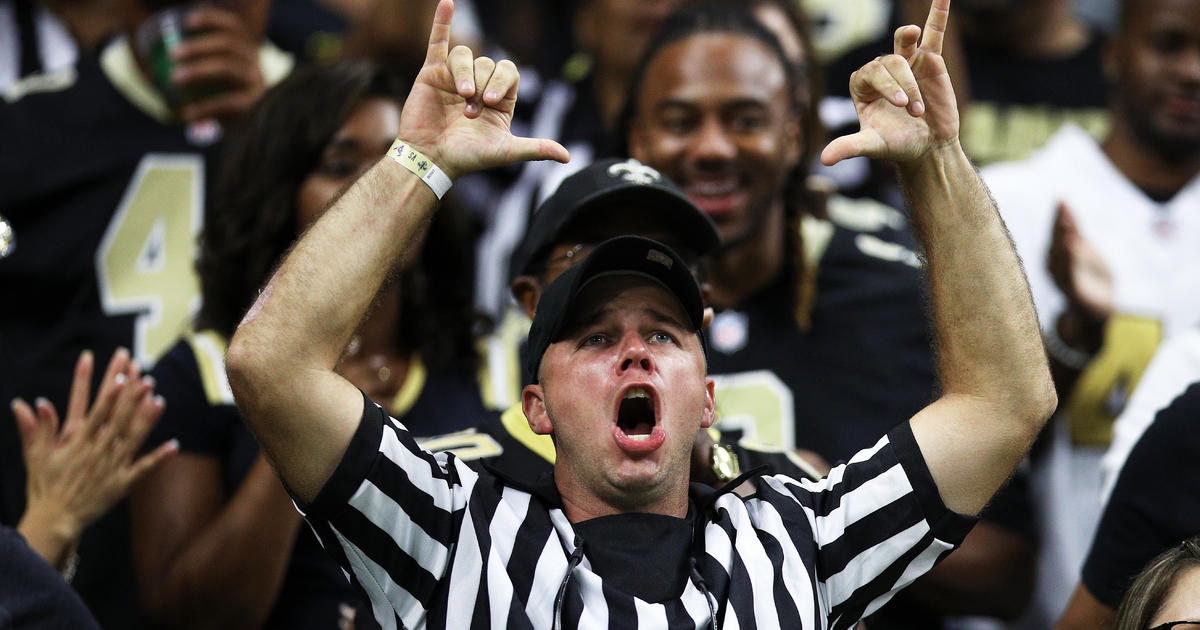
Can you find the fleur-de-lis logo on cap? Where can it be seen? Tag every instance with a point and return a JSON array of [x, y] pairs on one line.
[[634, 172], [8, 239]]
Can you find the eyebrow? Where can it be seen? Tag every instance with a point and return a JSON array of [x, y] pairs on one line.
[[737, 103], [666, 318], [343, 144], [592, 318]]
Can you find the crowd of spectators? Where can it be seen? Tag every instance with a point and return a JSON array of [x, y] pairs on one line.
[[160, 159]]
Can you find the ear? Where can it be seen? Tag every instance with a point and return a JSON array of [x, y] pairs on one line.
[[527, 291], [706, 323], [710, 404], [1110, 59], [585, 27], [533, 403]]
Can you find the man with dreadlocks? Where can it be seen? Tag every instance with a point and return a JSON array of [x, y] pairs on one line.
[[816, 319]]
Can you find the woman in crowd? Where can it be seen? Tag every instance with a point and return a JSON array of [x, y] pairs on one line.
[[217, 541], [1166, 594]]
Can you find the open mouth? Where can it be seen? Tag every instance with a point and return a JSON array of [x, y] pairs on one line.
[[715, 196], [635, 416]]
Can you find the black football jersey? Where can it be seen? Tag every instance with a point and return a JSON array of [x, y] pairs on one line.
[[105, 202], [863, 366]]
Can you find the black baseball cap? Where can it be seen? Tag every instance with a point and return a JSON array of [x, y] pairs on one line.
[[602, 185], [619, 256]]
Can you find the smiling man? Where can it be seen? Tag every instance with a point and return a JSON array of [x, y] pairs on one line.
[[820, 338], [618, 537]]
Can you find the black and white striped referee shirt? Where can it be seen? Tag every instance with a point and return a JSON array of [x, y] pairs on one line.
[[435, 544]]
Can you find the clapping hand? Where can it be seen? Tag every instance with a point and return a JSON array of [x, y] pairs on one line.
[[75, 475], [1085, 280], [1078, 269]]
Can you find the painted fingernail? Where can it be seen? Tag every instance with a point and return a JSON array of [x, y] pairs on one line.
[[120, 378], [173, 444], [14, 403], [161, 402], [149, 381], [41, 402]]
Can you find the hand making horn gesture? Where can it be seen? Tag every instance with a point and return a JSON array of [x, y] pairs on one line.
[[905, 101], [460, 108]]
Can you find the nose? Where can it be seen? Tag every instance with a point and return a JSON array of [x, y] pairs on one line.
[[713, 142], [634, 354], [1189, 64]]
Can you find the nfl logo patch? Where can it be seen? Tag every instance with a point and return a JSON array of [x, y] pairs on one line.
[[729, 332]]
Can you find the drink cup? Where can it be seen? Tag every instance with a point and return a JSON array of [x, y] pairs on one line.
[[156, 40]]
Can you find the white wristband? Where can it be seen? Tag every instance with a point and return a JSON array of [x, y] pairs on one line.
[[421, 166]]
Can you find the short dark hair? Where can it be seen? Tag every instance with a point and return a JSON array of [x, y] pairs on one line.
[[1149, 590], [695, 19]]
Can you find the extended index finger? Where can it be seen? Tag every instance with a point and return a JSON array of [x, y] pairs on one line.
[[935, 26], [439, 35]]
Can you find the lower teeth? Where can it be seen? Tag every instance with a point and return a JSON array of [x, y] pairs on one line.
[[639, 437]]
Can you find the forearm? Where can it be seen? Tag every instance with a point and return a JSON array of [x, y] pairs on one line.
[[49, 534], [996, 387], [322, 289], [1081, 336], [989, 343], [281, 359], [1085, 612], [230, 574]]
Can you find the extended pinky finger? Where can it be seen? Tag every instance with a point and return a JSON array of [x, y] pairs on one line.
[[147, 462]]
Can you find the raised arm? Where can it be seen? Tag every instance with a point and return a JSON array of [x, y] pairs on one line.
[[281, 359], [996, 387]]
